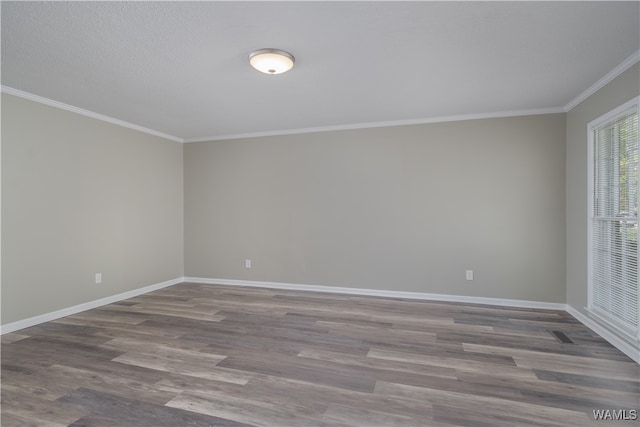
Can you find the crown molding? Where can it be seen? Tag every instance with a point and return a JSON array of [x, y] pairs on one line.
[[621, 68], [50, 102], [442, 119]]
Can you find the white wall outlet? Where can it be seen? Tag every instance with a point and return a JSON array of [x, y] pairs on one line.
[[98, 278], [247, 263], [469, 274]]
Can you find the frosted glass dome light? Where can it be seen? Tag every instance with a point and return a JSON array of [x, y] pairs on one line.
[[271, 61]]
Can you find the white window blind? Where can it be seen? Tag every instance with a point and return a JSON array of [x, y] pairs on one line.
[[614, 220]]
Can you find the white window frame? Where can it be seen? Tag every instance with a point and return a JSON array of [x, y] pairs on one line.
[[598, 315]]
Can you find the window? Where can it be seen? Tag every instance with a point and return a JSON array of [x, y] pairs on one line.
[[613, 222]]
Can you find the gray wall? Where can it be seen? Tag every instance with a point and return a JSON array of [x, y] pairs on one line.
[[405, 208], [622, 89], [401, 208], [81, 196]]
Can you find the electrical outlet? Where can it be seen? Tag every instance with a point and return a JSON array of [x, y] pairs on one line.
[[98, 278], [247, 263], [469, 274]]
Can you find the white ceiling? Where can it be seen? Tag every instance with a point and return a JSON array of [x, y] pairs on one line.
[[181, 68]]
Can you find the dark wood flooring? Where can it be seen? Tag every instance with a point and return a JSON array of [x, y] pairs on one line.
[[205, 355]]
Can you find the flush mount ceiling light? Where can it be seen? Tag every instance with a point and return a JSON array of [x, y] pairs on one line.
[[271, 61]]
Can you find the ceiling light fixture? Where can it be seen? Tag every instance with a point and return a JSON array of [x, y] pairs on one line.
[[271, 61]]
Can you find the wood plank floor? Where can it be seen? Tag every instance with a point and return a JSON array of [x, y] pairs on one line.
[[205, 355]]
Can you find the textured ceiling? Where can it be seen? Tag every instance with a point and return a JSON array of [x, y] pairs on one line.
[[181, 67]]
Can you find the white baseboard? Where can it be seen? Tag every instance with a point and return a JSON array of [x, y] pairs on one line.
[[380, 293], [47, 317], [627, 348]]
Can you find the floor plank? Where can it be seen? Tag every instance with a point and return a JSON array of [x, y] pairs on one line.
[[128, 411], [194, 354]]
